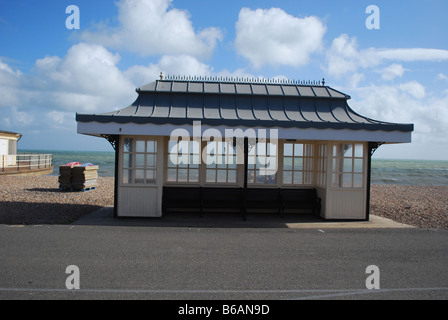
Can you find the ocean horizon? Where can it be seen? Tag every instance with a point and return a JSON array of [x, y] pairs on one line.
[[384, 171]]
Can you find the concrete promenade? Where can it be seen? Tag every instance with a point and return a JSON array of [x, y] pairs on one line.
[[175, 259]]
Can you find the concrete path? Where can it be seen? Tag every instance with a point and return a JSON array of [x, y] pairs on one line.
[[104, 216]]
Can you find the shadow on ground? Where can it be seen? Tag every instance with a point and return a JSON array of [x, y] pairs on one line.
[[28, 213], [105, 216]]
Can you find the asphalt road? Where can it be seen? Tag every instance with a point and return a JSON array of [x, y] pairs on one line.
[[132, 262]]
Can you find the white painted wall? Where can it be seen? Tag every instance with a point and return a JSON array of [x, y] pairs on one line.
[[3, 147]]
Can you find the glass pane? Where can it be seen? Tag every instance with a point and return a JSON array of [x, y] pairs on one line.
[[172, 160], [211, 176], [347, 180], [251, 160], [359, 150], [126, 176], [139, 160], [194, 147], [298, 149], [139, 176], [287, 149], [231, 176], [128, 144], [171, 175], [336, 150], [298, 177], [357, 181], [127, 160], [358, 165], [150, 160], [182, 175], [348, 150], [140, 146], [150, 146], [231, 162], [222, 176], [251, 177], [193, 175], [271, 179], [272, 149], [348, 165], [287, 177], [335, 180], [307, 177], [261, 148], [172, 146], [298, 163], [259, 178], [195, 160], [287, 163], [150, 175], [184, 147]]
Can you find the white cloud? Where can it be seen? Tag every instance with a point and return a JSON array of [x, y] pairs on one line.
[[154, 27], [86, 79], [393, 71], [181, 65], [344, 57], [404, 103], [442, 76], [413, 88], [273, 37], [9, 85]]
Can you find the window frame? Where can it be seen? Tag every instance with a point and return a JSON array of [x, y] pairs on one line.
[[307, 171], [348, 169], [132, 167]]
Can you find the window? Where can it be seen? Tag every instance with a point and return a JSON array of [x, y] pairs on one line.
[[298, 163], [139, 161], [347, 165], [262, 163], [183, 161], [322, 165], [220, 162]]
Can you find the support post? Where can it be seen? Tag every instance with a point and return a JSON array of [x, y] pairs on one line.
[[246, 167], [117, 151], [114, 140], [372, 146]]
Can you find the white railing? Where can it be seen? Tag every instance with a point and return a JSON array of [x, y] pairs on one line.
[[25, 161]]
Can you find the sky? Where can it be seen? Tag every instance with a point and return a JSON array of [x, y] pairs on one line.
[[392, 59]]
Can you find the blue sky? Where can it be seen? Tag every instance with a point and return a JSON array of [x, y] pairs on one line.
[[396, 73]]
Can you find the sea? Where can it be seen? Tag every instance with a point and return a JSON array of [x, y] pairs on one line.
[[384, 171]]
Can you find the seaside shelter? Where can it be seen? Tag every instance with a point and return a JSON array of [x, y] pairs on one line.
[[14, 163], [203, 144], [8, 142]]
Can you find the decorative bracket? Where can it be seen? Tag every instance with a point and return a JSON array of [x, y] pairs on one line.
[[373, 146], [113, 140]]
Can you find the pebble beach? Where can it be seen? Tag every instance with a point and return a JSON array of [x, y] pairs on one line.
[[38, 200]]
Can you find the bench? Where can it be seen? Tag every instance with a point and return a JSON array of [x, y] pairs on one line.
[[181, 198], [300, 199], [221, 198], [202, 198], [262, 198]]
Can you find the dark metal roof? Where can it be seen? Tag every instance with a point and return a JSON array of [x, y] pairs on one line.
[[245, 104]]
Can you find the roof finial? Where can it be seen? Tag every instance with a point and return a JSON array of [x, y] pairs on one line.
[[161, 75], [323, 81]]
